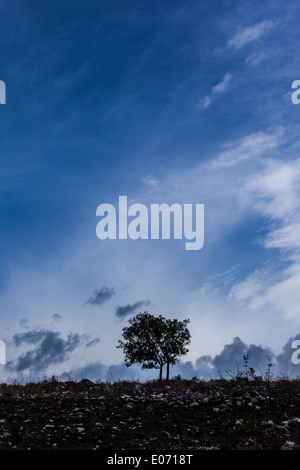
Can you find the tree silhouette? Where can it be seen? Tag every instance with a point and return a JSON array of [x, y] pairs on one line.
[[153, 341]]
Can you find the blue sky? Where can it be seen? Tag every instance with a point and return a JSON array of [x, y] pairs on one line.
[[186, 102]]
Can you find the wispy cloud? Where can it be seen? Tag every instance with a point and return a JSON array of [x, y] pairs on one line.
[[92, 342], [249, 147], [124, 311], [223, 85], [286, 237], [218, 89], [249, 34], [249, 288], [101, 295], [256, 58], [56, 317], [274, 193], [150, 181]]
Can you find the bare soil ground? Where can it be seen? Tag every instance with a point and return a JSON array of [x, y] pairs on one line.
[[238, 414]]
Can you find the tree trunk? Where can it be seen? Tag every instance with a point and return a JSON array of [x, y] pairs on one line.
[[160, 373], [168, 371]]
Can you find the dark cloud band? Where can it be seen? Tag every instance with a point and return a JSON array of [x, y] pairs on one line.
[[124, 311], [101, 295]]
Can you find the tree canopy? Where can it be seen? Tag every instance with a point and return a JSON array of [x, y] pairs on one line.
[[154, 342]]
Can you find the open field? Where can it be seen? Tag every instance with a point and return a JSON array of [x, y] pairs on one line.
[[182, 414]]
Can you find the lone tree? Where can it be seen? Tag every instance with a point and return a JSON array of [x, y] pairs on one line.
[[154, 341]]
